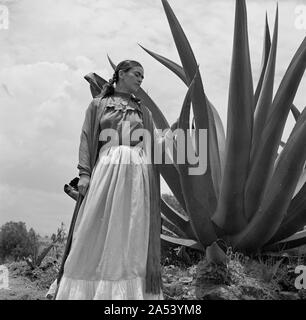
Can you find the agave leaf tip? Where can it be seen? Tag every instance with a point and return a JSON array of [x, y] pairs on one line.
[[111, 62], [142, 47], [267, 20]]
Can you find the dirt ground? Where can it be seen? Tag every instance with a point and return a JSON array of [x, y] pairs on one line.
[[247, 280], [178, 283], [22, 288]]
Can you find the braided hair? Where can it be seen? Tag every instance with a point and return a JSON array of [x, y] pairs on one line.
[[125, 65]]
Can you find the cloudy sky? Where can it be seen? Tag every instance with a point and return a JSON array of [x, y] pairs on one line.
[[50, 45]]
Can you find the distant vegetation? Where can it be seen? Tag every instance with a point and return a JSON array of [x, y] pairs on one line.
[[16, 243]]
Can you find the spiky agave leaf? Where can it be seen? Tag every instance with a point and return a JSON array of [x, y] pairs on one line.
[[295, 240], [203, 114], [195, 186], [300, 121], [174, 67], [265, 56], [265, 156], [168, 226], [300, 183], [266, 93], [179, 71], [230, 213], [179, 220], [298, 52], [184, 49], [252, 192], [276, 201], [171, 176], [296, 57], [282, 144], [299, 117], [296, 114], [295, 218], [295, 111], [221, 141], [182, 242]]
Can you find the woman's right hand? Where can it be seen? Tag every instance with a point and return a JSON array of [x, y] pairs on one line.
[[83, 184]]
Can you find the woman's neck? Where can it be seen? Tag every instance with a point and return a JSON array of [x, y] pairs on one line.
[[123, 94], [122, 89]]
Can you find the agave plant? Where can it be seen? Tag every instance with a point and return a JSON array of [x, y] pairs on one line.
[[250, 196]]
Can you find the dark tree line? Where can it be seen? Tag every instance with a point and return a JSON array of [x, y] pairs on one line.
[[16, 242]]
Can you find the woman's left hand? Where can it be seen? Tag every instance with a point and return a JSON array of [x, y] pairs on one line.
[[83, 184]]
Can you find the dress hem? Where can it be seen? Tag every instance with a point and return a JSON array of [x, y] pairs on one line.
[[131, 289]]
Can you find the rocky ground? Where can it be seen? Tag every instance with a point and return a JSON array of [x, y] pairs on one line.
[[267, 278], [186, 276], [21, 285]]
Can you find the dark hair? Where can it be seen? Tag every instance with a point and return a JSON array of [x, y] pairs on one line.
[[125, 65]]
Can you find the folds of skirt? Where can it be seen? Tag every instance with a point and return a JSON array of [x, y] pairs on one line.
[[110, 243]]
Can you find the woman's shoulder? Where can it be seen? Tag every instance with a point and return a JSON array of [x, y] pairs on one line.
[[97, 101]]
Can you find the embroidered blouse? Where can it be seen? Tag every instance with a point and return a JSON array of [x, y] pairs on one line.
[[121, 117]]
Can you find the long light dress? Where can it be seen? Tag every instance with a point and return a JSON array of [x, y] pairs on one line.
[[109, 249]]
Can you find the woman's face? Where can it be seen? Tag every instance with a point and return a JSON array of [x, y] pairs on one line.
[[131, 79]]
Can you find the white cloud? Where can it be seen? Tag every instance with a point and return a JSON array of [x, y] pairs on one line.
[[40, 123]]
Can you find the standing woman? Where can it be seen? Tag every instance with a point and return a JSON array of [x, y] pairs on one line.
[[115, 251]]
